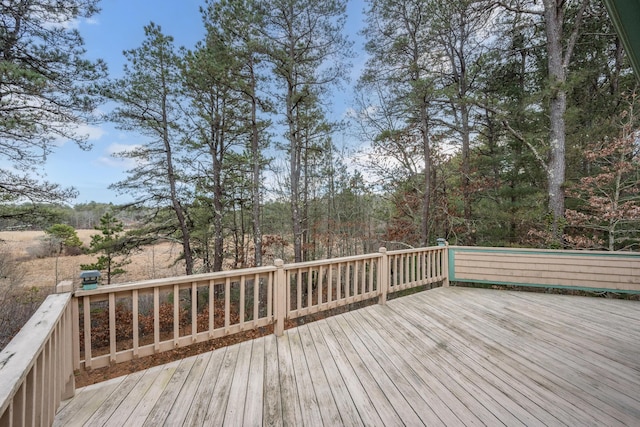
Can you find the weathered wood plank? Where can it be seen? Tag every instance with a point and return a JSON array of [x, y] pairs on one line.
[[188, 392], [560, 378], [167, 399], [151, 395], [272, 406], [341, 396], [586, 365], [322, 387], [425, 402], [450, 356], [86, 403], [460, 402], [373, 377], [358, 394], [255, 388], [530, 384], [291, 412], [309, 407], [234, 413], [197, 411], [220, 397], [115, 399]]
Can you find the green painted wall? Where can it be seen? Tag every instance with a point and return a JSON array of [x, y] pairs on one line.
[[625, 15]]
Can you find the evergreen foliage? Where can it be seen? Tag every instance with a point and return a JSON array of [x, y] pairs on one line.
[[112, 246]]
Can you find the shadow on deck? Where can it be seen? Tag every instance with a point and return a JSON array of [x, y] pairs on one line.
[[448, 356]]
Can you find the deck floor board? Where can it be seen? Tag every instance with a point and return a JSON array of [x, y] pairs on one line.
[[449, 356]]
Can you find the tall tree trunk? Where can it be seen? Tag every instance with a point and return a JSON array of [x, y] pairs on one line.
[[218, 231], [426, 199], [553, 14], [255, 182], [558, 63], [295, 164], [466, 165], [295, 161], [175, 201]]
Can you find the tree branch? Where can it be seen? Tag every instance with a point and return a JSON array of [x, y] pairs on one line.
[[574, 34], [520, 138]]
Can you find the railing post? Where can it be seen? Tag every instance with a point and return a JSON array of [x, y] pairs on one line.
[[383, 282], [64, 286], [69, 339], [445, 261], [280, 298]]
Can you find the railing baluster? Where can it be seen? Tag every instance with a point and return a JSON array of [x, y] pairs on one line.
[[309, 287], [32, 393], [156, 320], [212, 307], [112, 328], [227, 304], [242, 302], [256, 297], [298, 289], [270, 295], [194, 312], [176, 315], [281, 300], [75, 331], [330, 285], [134, 320], [86, 311]]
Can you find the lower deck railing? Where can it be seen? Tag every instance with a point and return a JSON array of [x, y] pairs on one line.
[[36, 367], [112, 324], [123, 322]]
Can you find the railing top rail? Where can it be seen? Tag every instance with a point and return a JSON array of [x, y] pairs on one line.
[[20, 354], [122, 287], [546, 251], [317, 263], [413, 250]]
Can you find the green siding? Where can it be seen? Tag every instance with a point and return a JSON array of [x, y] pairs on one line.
[[625, 15]]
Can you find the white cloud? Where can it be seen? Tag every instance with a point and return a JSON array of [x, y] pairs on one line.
[[111, 160], [92, 133]]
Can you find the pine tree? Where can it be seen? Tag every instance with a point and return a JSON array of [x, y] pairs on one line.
[[45, 94], [150, 102], [307, 49], [111, 246]]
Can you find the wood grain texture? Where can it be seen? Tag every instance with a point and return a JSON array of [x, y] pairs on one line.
[[564, 268], [449, 356]]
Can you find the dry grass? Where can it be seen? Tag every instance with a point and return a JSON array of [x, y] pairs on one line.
[[152, 262]]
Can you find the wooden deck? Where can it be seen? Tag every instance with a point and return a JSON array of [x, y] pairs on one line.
[[449, 356]]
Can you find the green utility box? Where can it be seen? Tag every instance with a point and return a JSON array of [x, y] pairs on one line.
[[90, 279]]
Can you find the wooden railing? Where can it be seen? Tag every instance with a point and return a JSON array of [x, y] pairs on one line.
[[112, 324], [123, 322], [36, 370]]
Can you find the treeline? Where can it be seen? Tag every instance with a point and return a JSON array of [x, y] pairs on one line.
[[502, 123], [484, 122], [40, 216]]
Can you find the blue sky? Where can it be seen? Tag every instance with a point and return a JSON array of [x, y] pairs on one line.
[[119, 27]]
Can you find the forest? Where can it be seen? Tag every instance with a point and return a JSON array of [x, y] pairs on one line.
[[495, 123]]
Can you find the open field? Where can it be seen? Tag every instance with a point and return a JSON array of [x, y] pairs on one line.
[[24, 246]]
